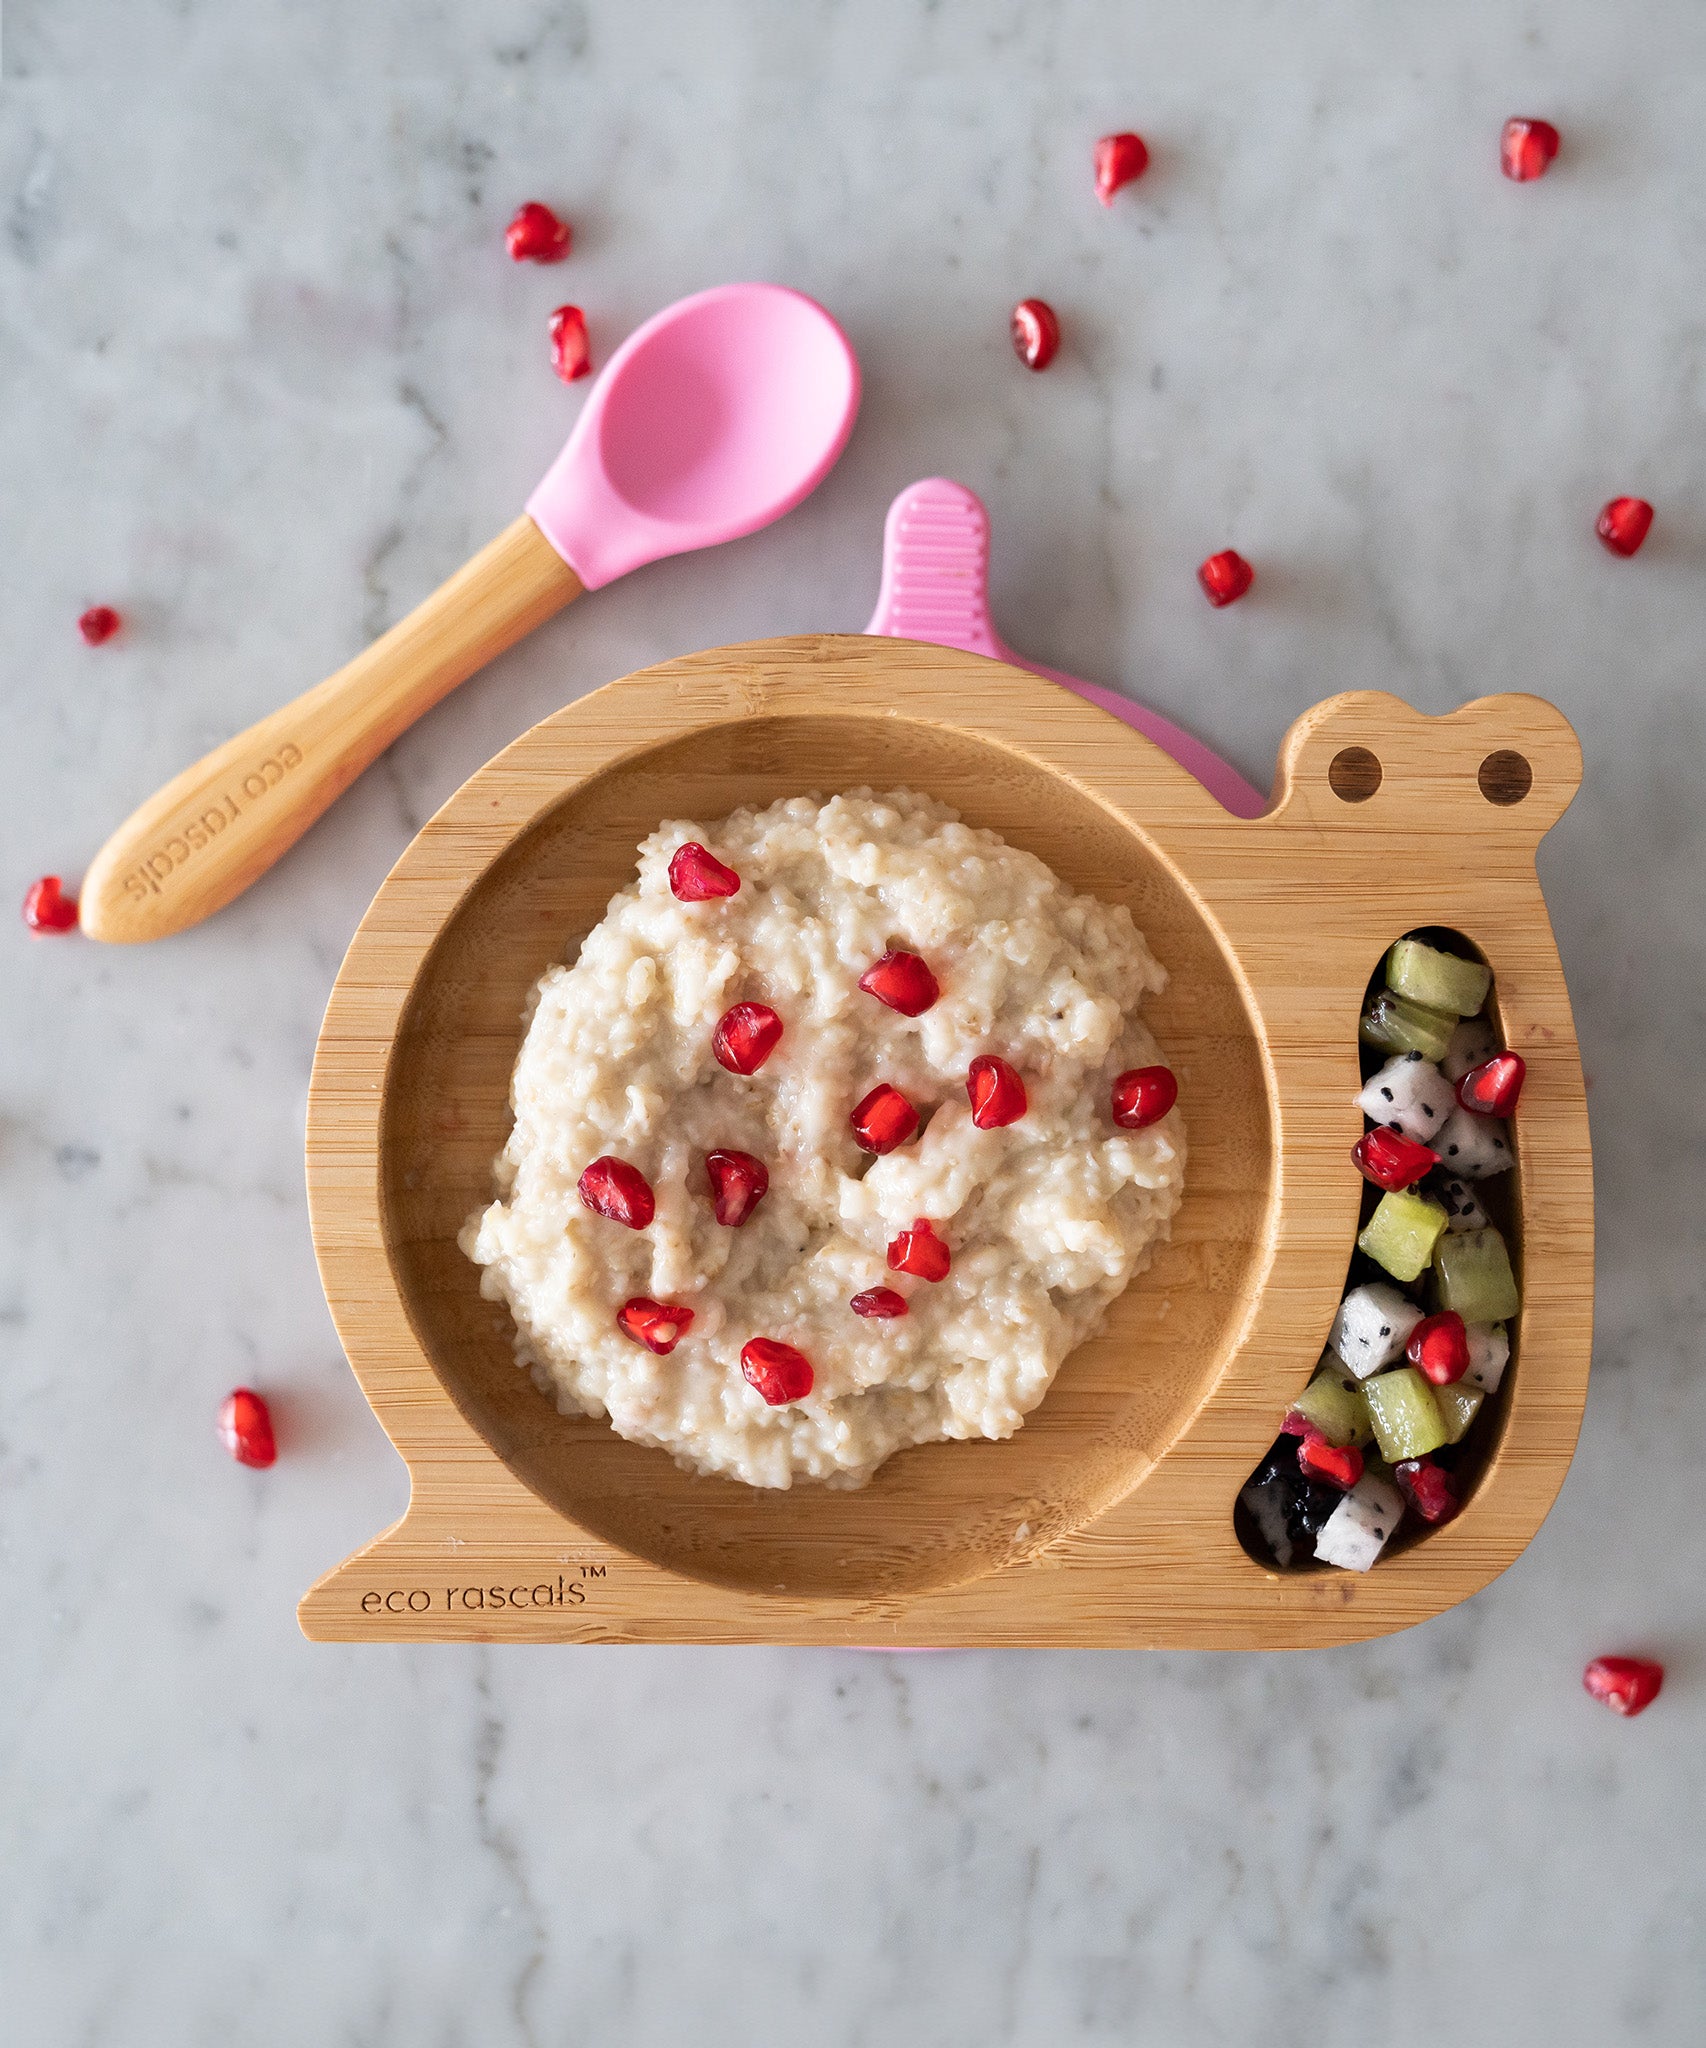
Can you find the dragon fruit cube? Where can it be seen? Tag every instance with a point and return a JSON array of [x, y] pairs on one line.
[[1461, 1204], [1489, 1354], [1473, 1041], [1358, 1528], [1411, 1095], [1474, 1147], [1373, 1326]]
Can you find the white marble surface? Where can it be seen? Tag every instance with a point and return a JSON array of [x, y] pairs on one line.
[[265, 377]]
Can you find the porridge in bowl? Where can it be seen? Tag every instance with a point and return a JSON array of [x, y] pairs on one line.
[[842, 1130]]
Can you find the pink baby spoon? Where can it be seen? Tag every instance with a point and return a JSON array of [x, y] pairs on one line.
[[935, 587], [717, 416]]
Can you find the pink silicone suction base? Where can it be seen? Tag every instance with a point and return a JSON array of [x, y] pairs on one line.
[[936, 587]]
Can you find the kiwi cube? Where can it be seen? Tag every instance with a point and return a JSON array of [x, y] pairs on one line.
[[1406, 1417], [1472, 1274], [1439, 981], [1396, 1025], [1458, 1406], [1333, 1403], [1402, 1233]]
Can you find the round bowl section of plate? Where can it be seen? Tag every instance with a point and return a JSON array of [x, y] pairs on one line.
[[522, 865]]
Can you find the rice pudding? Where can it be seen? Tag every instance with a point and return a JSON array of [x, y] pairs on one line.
[[840, 1132]]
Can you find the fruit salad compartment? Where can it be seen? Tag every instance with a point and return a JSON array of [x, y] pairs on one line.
[[1395, 1426]]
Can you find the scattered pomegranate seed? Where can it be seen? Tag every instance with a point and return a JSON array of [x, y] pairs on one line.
[[1143, 1097], [1526, 148], [100, 622], [1492, 1089], [1296, 1424], [883, 1120], [1391, 1160], [738, 1184], [618, 1192], [696, 874], [536, 235], [1225, 577], [996, 1093], [746, 1036], [879, 1301], [903, 982], [1339, 1464], [779, 1372], [1119, 159], [1428, 1488], [245, 1429], [1439, 1348], [1624, 524], [919, 1250], [1036, 333], [1624, 1684], [571, 352], [658, 1325], [47, 908]]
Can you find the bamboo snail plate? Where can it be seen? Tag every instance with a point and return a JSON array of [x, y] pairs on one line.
[[1108, 1519]]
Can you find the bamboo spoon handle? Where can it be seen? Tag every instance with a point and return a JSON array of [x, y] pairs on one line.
[[218, 826]]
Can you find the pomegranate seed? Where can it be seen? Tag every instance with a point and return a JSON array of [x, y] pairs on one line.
[[1297, 1425], [658, 1325], [1119, 159], [1225, 577], [696, 874], [779, 1372], [536, 235], [738, 1184], [879, 1301], [1492, 1088], [903, 982], [47, 908], [1624, 524], [1624, 1684], [571, 352], [1339, 1464], [1036, 333], [1439, 1348], [1143, 1097], [746, 1036], [883, 1120], [245, 1429], [1526, 148], [919, 1250], [1428, 1488], [100, 622], [1391, 1160], [996, 1093], [618, 1192]]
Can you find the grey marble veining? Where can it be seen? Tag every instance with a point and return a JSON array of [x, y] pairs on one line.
[[265, 378]]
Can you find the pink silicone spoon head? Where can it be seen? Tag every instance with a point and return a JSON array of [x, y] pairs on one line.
[[717, 416], [935, 587]]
